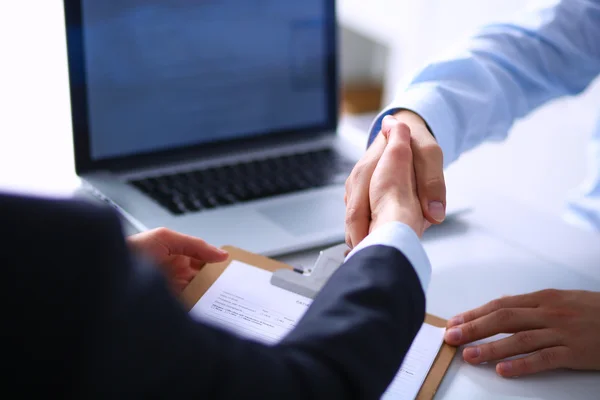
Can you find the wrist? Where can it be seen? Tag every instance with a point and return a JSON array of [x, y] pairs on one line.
[[397, 214], [413, 120]]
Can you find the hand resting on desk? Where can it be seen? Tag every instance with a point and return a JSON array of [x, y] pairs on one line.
[[561, 328]]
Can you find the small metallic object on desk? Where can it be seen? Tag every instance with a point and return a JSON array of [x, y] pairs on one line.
[[313, 279]]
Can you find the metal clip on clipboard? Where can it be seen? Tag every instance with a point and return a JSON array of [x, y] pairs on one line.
[[310, 282]]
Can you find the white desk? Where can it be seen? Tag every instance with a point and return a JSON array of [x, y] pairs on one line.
[[483, 255]]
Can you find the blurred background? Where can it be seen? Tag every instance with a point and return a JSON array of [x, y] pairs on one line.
[[382, 43]]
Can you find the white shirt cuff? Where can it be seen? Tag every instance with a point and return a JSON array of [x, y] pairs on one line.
[[404, 239]]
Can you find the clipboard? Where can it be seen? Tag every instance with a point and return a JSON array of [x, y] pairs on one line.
[[211, 272]]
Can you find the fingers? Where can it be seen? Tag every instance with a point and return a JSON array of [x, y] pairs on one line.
[[520, 301], [523, 342], [180, 270], [504, 320], [543, 360], [358, 211], [183, 267], [175, 243]]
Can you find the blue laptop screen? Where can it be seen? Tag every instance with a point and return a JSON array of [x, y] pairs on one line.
[[164, 74]]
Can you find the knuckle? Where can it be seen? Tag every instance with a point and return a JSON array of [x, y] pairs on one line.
[[551, 295], [348, 240], [548, 357], [435, 183], [471, 329], [403, 129], [427, 151], [522, 365], [160, 233], [350, 180], [495, 305], [356, 173], [401, 124], [432, 150], [399, 151], [492, 351], [504, 315], [393, 124], [353, 215], [560, 314], [524, 339], [468, 316]]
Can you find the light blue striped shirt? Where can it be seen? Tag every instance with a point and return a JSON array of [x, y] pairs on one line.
[[505, 72]]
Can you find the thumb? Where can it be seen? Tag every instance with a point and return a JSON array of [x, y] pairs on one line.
[[429, 172], [393, 188], [395, 169]]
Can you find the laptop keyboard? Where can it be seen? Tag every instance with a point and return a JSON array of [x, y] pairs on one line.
[[194, 191]]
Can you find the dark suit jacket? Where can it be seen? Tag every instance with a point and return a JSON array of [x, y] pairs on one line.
[[82, 319]]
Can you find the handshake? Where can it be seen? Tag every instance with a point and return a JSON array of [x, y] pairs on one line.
[[382, 187]]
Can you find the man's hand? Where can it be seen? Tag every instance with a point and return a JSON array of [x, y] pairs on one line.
[[427, 164], [392, 188], [561, 329], [180, 256]]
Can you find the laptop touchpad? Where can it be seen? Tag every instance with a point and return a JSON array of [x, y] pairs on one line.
[[315, 214]]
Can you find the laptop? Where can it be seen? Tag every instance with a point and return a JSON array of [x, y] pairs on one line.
[[216, 119]]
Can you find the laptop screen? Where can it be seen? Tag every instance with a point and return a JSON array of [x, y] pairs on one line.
[[166, 74]]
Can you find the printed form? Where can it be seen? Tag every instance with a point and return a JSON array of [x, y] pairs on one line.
[[243, 301]]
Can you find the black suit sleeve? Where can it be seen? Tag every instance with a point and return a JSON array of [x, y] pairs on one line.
[[129, 338]]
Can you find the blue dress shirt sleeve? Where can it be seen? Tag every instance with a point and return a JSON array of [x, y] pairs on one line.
[[503, 73], [404, 239]]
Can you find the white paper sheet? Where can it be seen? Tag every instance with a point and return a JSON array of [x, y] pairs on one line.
[[417, 363], [243, 301]]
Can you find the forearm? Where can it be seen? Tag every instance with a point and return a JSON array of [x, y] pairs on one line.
[[362, 323], [503, 73], [349, 344]]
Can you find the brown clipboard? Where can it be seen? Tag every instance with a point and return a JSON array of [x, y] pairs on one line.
[[211, 272]]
